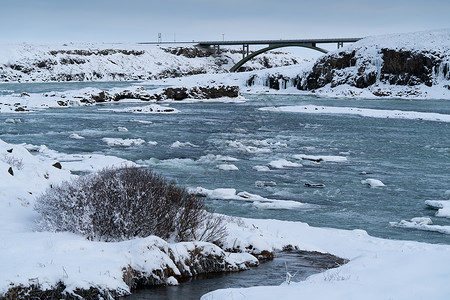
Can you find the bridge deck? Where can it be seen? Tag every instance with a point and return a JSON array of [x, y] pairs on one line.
[[279, 42]]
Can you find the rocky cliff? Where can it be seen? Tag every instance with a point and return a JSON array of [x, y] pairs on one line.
[[90, 62], [408, 60]]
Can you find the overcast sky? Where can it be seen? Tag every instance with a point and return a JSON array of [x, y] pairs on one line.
[[186, 20]]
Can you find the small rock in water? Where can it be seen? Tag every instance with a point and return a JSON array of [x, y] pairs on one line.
[[315, 185]]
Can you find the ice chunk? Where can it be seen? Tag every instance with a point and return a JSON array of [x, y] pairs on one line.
[[227, 167], [443, 207], [123, 142], [372, 182], [179, 144], [76, 136], [421, 223], [283, 163], [261, 168]]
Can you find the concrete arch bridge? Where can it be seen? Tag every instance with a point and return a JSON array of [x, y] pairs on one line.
[[272, 44]]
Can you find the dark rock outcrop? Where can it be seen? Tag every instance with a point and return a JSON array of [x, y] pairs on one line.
[[395, 67], [170, 93]]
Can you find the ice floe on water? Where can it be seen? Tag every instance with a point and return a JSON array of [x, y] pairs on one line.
[[148, 109], [443, 207], [257, 200], [364, 112], [123, 142], [13, 121], [319, 158], [227, 167], [261, 168], [122, 129], [218, 157], [76, 136], [179, 144], [421, 223], [143, 122], [283, 163], [372, 182]]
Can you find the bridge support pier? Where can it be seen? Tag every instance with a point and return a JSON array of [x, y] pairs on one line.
[[245, 51], [340, 44], [216, 49]]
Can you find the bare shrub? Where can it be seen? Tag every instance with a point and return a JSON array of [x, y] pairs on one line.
[[13, 162], [120, 204]]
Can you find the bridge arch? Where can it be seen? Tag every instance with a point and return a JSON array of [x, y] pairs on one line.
[[271, 47]]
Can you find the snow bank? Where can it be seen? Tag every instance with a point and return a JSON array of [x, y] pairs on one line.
[[364, 112], [377, 268], [45, 259]]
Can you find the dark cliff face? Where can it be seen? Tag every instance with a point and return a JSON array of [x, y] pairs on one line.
[[396, 67]]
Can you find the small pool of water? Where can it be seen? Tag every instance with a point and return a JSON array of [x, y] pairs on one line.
[[300, 263]]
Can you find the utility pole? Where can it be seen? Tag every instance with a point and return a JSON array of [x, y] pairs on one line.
[[159, 38], [223, 36]]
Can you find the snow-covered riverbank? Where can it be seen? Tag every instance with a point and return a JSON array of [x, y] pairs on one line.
[[377, 268]]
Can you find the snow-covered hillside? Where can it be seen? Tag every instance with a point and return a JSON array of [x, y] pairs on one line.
[[396, 65], [83, 62]]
